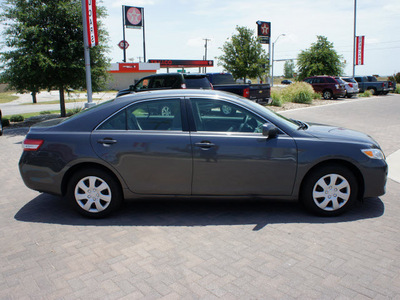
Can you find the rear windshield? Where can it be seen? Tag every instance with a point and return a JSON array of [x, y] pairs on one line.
[[349, 80], [197, 83], [222, 79], [339, 80]]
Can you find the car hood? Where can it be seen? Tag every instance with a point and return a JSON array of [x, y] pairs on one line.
[[321, 131]]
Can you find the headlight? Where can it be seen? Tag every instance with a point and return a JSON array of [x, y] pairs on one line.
[[373, 153]]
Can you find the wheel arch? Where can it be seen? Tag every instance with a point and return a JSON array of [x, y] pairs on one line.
[[335, 162], [86, 165]]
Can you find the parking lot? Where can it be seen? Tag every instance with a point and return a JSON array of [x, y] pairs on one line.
[[174, 249]]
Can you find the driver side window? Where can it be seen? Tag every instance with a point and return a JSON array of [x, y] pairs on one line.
[[221, 116]]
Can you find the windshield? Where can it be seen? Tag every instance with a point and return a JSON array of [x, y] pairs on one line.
[[271, 115]]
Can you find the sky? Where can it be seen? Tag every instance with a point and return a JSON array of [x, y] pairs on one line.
[[176, 29]]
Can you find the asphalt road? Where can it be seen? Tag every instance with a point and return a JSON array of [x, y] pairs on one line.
[[204, 249], [24, 103]]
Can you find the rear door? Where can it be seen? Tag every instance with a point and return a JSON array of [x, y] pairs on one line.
[[151, 151], [232, 157]]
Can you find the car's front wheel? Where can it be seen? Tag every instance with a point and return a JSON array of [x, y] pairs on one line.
[[94, 193], [329, 190]]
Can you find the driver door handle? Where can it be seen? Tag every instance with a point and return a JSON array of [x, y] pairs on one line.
[[204, 145]]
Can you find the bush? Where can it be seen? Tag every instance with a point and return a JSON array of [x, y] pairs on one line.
[[276, 101], [367, 93], [73, 111], [298, 92], [16, 118], [5, 122], [397, 90], [46, 112]]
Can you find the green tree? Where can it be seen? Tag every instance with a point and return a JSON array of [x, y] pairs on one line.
[[320, 59], [243, 55], [288, 69], [44, 47]]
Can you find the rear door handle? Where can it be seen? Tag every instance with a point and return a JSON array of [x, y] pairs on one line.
[[205, 145], [107, 141]]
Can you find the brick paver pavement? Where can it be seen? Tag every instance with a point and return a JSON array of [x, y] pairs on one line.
[[193, 249]]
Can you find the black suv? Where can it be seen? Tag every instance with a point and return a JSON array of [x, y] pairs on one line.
[[169, 81]]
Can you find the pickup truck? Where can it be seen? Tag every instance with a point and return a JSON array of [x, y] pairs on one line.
[[259, 93], [372, 84]]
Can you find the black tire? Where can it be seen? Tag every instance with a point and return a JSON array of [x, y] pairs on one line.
[[349, 96], [373, 91], [330, 190], [94, 193], [327, 94]]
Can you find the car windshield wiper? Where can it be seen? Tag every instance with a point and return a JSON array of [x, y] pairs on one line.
[[302, 125]]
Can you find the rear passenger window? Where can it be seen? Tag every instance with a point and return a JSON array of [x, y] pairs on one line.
[[116, 122], [155, 115]]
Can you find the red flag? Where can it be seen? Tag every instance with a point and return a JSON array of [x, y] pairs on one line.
[[91, 23], [360, 50]]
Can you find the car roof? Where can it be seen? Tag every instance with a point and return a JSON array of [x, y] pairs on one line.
[[172, 93]]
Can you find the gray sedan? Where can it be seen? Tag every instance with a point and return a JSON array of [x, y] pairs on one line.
[[126, 148]]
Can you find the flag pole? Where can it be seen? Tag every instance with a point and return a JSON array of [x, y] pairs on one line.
[[87, 57], [354, 39]]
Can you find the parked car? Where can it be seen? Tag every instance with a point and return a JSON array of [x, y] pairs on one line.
[[372, 84], [351, 86], [259, 93], [121, 149], [286, 81], [329, 86], [168, 81]]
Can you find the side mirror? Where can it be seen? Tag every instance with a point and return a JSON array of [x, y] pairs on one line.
[[132, 88], [269, 130]]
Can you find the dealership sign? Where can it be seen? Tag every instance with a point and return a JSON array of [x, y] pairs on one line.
[[360, 50], [91, 23]]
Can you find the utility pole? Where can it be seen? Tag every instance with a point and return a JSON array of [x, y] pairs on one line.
[[354, 38], [205, 54]]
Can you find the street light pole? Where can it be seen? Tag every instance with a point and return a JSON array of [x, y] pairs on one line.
[[205, 54], [273, 53]]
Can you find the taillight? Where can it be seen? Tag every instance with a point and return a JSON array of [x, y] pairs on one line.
[[212, 87], [383, 84], [350, 85], [246, 92], [31, 145]]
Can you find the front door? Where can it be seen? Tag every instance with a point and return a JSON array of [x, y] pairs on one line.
[[232, 157]]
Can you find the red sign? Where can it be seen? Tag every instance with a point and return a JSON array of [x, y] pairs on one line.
[[123, 44], [360, 50], [91, 23], [182, 63]]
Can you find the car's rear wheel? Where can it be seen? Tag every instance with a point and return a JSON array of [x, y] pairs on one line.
[[327, 94], [329, 190], [94, 193]]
